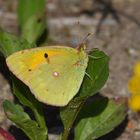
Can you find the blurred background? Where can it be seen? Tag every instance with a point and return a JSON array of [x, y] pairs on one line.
[[116, 28]]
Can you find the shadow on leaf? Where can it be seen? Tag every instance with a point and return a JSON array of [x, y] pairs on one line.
[[95, 103]]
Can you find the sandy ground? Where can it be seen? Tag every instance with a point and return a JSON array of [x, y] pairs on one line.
[[117, 34]]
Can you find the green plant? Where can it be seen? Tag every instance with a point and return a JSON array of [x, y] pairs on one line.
[[91, 117]]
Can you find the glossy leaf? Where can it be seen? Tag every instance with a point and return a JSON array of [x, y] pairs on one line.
[[16, 114], [98, 118], [98, 70]]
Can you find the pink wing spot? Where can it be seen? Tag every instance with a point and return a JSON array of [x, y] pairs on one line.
[[77, 63], [55, 74]]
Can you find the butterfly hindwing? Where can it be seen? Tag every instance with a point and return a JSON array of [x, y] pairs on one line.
[[53, 74]]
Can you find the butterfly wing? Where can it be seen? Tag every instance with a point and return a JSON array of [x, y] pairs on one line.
[[53, 74]]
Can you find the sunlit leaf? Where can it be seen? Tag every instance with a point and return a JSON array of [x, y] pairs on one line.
[[98, 117]]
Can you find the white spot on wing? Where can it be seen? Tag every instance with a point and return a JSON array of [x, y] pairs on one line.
[[55, 74]]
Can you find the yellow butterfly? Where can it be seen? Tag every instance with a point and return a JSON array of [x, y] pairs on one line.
[[53, 73]]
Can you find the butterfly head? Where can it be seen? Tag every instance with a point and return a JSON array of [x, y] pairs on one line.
[[82, 46]]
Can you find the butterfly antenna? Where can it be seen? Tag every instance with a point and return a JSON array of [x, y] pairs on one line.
[[86, 38], [78, 35], [82, 44], [88, 76]]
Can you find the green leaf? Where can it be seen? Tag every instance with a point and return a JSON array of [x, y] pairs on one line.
[[98, 70], [10, 43], [26, 98], [28, 8], [16, 114], [69, 113], [99, 117], [33, 28], [32, 19]]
